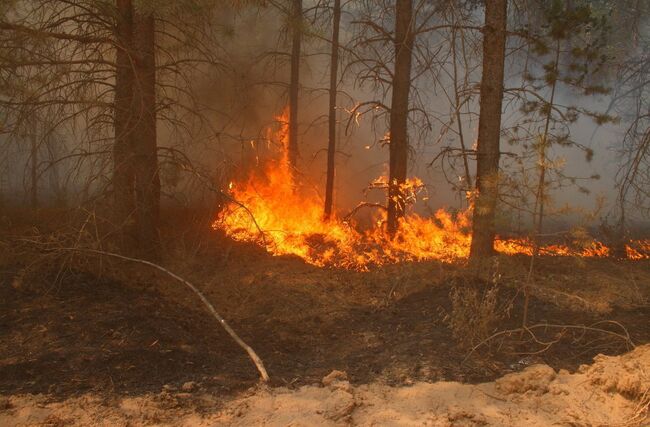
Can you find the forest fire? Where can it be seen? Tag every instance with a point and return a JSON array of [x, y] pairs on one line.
[[173, 254], [272, 211]]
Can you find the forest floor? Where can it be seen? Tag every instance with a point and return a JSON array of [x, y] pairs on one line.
[[133, 347]]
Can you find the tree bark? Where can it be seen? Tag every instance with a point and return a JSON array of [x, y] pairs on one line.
[[398, 147], [147, 179], [294, 85], [458, 104], [123, 172], [489, 129], [331, 146], [136, 183], [34, 168]]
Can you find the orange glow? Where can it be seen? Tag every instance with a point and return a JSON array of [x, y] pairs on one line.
[[287, 221], [638, 249]]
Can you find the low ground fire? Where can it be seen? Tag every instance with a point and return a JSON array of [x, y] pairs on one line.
[[324, 213], [272, 211]]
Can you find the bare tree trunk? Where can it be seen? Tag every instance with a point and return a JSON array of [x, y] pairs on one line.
[[398, 147], [540, 197], [34, 168], [459, 122], [489, 129], [123, 173], [331, 146], [147, 180], [619, 239], [136, 183], [294, 85]]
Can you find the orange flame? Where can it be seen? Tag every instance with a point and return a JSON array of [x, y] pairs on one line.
[[288, 222]]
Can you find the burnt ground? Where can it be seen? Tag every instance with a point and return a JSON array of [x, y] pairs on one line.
[[136, 332]]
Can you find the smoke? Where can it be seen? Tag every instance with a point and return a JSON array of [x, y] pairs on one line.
[[240, 98], [253, 89]]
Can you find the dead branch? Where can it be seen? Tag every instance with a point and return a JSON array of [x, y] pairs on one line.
[[625, 336], [187, 166], [363, 205], [251, 353]]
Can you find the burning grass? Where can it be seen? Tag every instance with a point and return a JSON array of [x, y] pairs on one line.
[[287, 220]]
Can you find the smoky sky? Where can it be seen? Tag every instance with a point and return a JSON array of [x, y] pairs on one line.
[[243, 97], [361, 158]]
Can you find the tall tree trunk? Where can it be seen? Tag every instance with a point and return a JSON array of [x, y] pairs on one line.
[[123, 172], [398, 147], [540, 197], [34, 169], [331, 146], [489, 129], [147, 180], [458, 105], [294, 85]]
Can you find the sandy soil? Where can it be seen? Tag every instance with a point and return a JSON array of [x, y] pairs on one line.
[[614, 390]]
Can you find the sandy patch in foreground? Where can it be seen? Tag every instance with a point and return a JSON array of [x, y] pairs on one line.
[[611, 391]]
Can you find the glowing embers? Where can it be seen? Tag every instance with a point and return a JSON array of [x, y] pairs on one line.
[[276, 214]]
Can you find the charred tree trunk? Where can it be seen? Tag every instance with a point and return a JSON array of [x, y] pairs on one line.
[[398, 147], [147, 180], [294, 85], [123, 173], [331, 146], [489, 129]]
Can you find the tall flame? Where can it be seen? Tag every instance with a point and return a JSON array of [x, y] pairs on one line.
[[272, 212]]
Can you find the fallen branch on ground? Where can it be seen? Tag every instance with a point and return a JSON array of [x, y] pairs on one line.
[[251, 353], [625, 336]]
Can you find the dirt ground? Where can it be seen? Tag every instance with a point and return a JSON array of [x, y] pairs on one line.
[[115, 344], [612, 391]]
